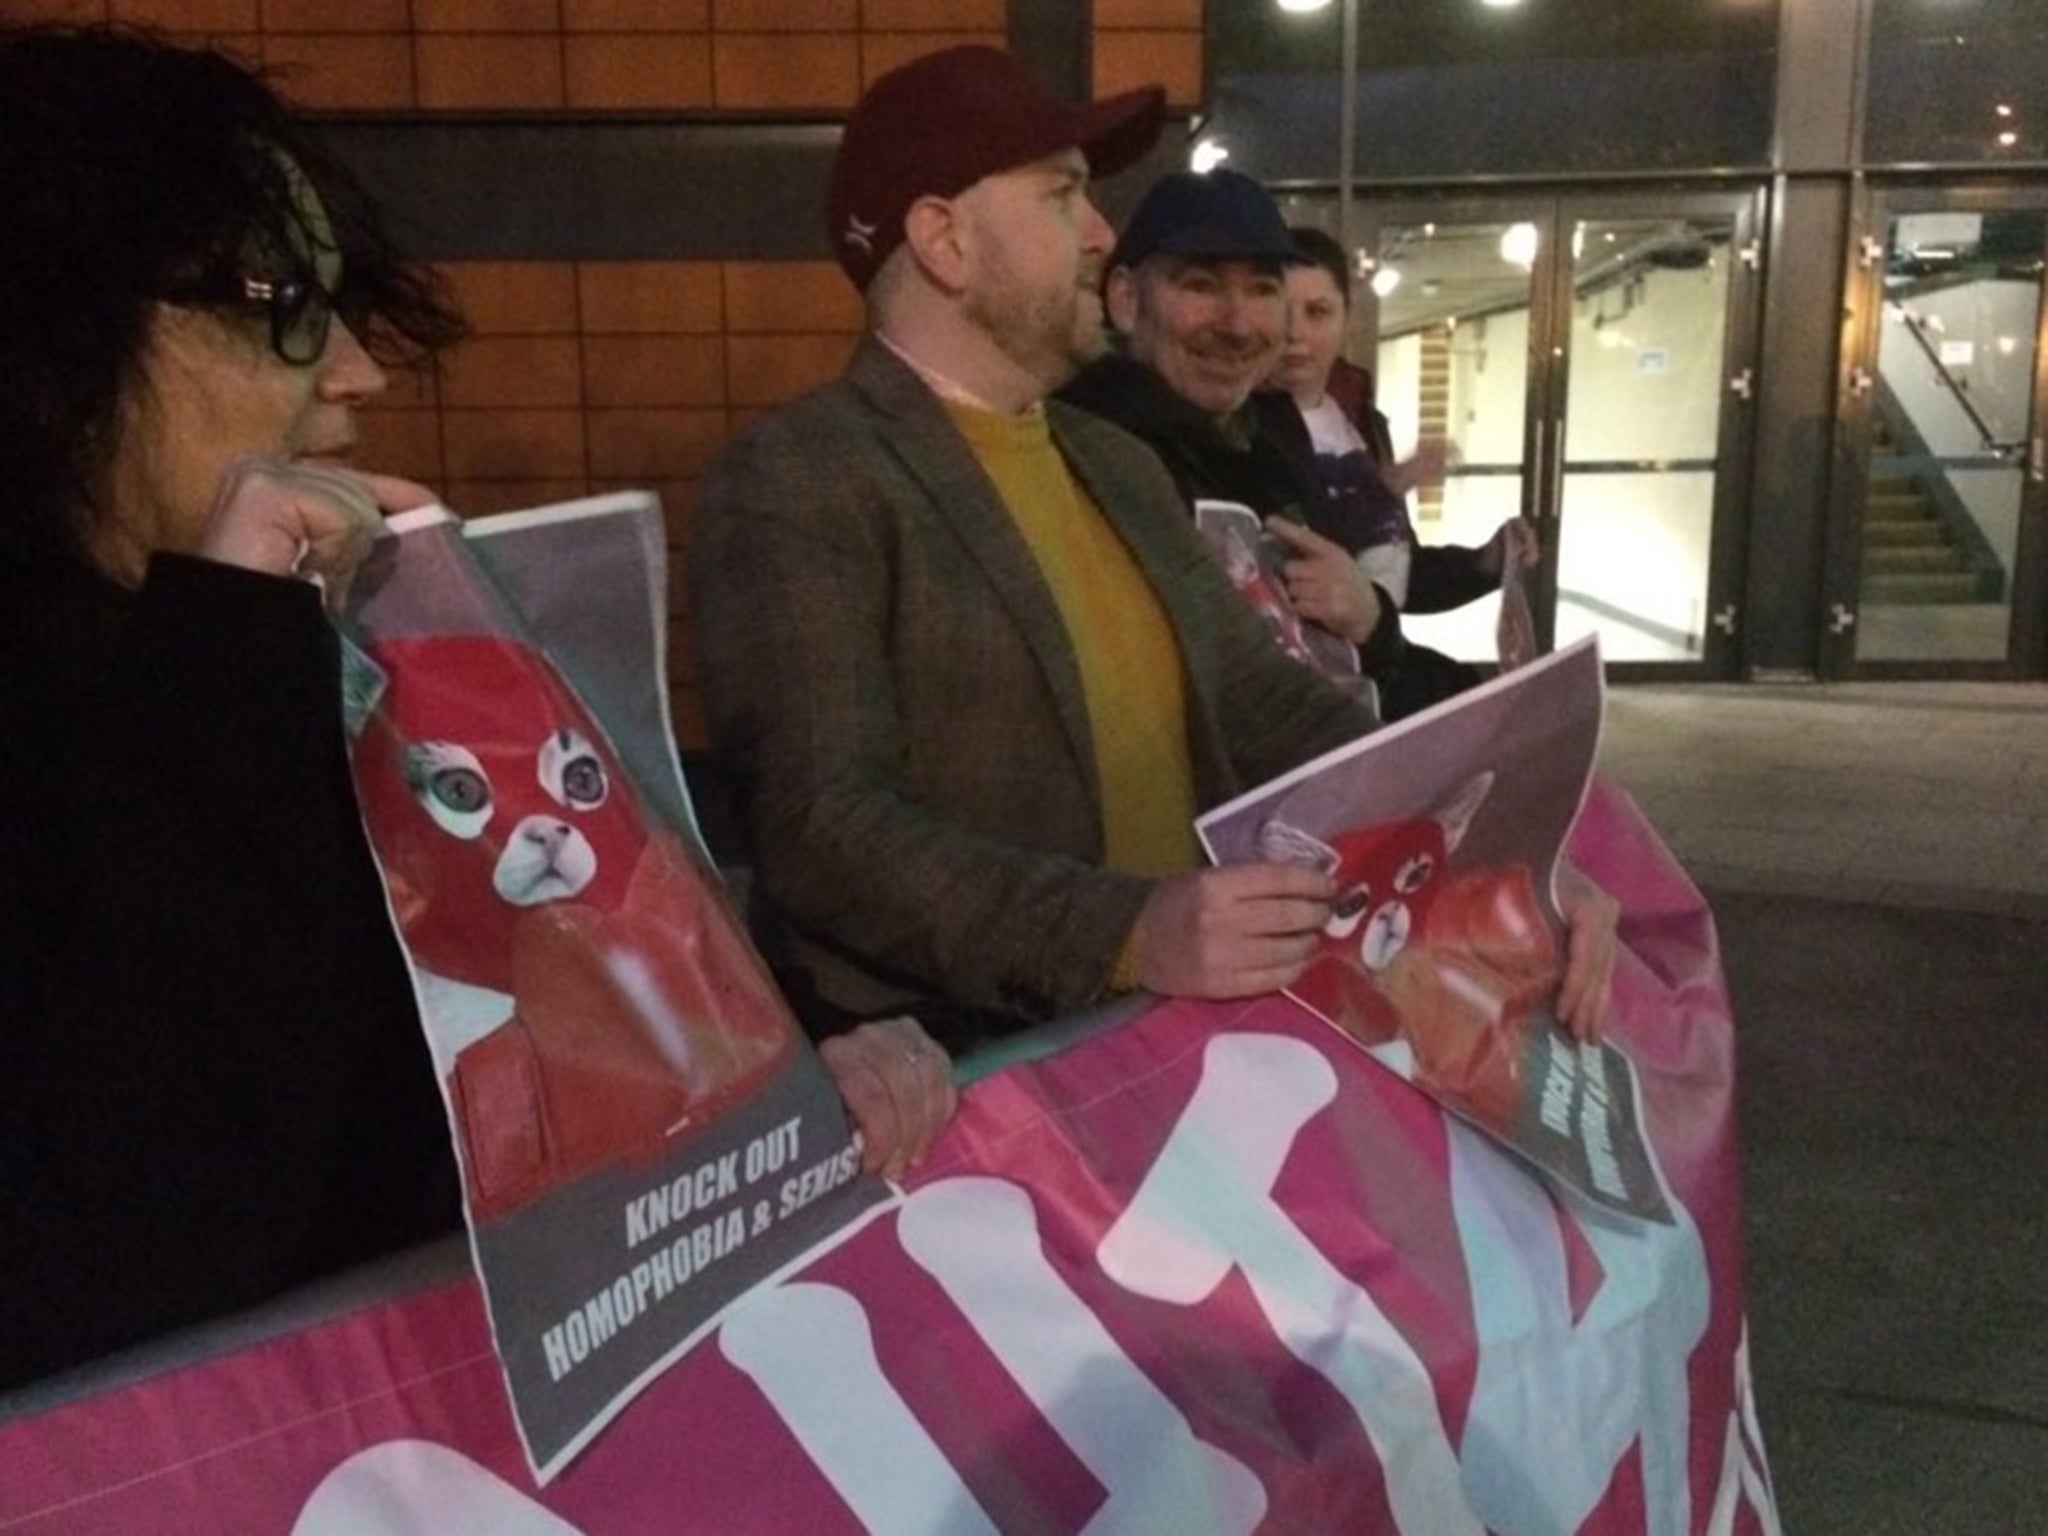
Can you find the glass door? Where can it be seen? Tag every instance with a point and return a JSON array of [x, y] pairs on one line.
[[1939, 530], [1587, 360]]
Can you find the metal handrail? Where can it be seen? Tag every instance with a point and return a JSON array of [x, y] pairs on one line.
[[1918, 331]]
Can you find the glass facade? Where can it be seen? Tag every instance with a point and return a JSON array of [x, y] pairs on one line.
[[1458, 88], [1957, 82]]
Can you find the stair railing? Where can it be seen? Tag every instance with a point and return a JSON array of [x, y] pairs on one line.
[[1917, 328]]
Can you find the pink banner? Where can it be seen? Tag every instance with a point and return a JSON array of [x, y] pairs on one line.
[[1211, 1271]]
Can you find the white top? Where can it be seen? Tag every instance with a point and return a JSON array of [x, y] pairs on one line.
[[1336, 439]]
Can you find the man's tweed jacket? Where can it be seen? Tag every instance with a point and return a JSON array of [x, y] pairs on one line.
[[891, 689]]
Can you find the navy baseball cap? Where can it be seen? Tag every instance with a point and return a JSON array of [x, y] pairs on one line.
[[1221, 214]]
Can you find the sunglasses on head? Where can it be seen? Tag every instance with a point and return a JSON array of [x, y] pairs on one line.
[[300, 308]]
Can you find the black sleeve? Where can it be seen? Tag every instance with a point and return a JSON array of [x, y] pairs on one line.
[[1446, 576], [213, 1084]]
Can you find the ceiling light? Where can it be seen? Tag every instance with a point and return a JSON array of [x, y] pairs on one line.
[[1386, 280], [1518, 245], [1303, 7], [1206, 156]]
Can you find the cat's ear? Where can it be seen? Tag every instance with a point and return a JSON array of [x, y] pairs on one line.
[[1456, 818], [1283, 843]]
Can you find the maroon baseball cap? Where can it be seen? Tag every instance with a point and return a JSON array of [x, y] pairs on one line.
[[937, 125]]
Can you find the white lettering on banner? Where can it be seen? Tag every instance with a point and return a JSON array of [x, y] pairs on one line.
[[978, 1237], [1613, 1376], [1206, 1207], [808, 1348], [418, 1488], [1744, 1478]]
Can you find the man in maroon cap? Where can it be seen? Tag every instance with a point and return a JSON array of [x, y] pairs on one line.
[[968, 664]]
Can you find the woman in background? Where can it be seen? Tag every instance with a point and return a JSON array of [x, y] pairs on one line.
[[1352, 441]]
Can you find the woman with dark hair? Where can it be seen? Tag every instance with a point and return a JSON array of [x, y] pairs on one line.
[[1352, 439], [213, 1084]]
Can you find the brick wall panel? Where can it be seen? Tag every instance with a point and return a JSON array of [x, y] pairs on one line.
[[653, 370], [780, 296], [342, 70], [785, 15], [636, 15], [935, 15], [766, 370], [480, 498], [793, 71], [647, 71], [673, 444], [184, 16], [489, 70], [76, 12], [404, 443], [643, 297], [1126, 60], [881, 52], [519, 298], [514, 445], [1158, 15], [513, 371], [330, 15], [486, 15]]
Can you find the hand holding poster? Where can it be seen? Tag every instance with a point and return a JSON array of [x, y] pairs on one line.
[[1256, 563], [1445, 948], [641, 1130]]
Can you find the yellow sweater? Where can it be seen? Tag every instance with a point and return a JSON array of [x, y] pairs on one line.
[[1128, 656]]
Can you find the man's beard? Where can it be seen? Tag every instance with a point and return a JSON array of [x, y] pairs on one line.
[[1051, 334]]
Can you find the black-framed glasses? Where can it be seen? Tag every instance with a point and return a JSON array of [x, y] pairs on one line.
[[300, 308]]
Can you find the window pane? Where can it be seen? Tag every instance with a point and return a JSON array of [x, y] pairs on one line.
[[1456, 87]]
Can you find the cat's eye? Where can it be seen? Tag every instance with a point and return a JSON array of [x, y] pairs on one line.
[[1346, 911], [451, 785], [583, 782], [1414, 875], [460, 790], [571, 772]]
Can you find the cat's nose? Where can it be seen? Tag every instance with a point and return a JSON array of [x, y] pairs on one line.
[[549, 835]]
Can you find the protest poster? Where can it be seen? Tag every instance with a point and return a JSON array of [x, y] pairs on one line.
[[1444, 950], [1209, 1270], [642, 1130]]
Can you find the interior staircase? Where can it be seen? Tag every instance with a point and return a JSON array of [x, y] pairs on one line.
[[1909, 556]]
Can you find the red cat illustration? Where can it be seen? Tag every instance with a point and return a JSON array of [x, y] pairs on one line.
[[594, 993], [1459, 965]]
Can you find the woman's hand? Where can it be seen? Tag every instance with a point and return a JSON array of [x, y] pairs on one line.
[[1513, 540], [1591, 916], [311, 520], [1424, 467], [1325, 584], [898, 1084]]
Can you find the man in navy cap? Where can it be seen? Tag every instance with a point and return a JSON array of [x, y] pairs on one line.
[[967, 663], [1196, 292]]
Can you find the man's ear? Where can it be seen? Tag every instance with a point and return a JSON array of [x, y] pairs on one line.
[[935, 233], [1120, 299]]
